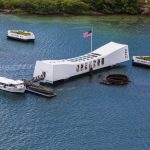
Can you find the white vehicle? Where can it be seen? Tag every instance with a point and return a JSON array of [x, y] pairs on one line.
[[141, 61], [105, 56], [16, 86], [20, 35]]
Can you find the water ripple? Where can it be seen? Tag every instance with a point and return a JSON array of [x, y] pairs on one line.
[[85, 114]]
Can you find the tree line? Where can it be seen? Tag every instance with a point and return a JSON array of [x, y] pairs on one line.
[[72, 6]]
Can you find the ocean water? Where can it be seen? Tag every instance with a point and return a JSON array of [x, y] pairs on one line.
[[85, 115]]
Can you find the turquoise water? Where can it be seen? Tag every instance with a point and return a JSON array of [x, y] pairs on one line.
[[85, 115]]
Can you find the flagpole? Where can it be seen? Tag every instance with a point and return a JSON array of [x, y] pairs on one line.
[[92, 39]]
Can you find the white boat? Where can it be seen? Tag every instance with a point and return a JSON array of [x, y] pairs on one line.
[[20, 35], [16, 86], [141, 61], [105, 56]]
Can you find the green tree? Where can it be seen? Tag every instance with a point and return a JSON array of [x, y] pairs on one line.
[[74, 6]]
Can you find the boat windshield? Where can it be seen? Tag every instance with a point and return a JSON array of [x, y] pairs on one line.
[[15, 85]]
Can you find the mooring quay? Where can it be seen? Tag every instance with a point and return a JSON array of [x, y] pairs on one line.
[[39, 89]]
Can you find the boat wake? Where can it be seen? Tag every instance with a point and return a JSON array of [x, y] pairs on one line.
[[16, 67]]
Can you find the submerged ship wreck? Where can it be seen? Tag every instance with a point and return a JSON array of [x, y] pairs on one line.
[[116, 79], [105, 56]]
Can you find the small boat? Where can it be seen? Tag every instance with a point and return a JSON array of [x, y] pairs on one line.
[[20, 35], [116, 79], [15, 86], [143, 61]]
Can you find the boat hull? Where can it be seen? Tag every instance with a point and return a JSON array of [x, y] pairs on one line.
[[140, 62], [140, 65], [20, 39], [13, 90]]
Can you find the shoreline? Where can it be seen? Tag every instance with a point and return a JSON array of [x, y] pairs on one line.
[[20, 12]]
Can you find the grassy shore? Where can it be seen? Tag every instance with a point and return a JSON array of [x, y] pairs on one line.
[[72, 7]]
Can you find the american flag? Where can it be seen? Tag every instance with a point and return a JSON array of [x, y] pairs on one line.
[[87, 34]]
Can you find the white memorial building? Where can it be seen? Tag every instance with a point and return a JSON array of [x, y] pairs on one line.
[[105, 56]]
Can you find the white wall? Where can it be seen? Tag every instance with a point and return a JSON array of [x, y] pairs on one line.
[[41, 67], [63, 71], [117, 57], [55, 72]]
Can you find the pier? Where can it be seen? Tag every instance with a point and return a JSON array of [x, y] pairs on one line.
[[39, 89]]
